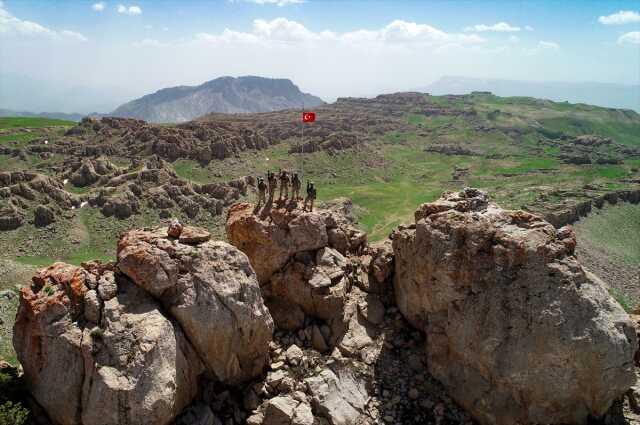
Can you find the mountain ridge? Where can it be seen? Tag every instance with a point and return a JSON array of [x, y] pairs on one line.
[[610, 95], [224, 94]]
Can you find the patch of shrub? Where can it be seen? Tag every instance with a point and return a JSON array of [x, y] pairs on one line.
[[13, 414]]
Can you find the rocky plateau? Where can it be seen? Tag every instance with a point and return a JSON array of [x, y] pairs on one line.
[[470, 315]]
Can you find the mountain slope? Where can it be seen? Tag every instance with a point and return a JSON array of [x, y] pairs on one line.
[[224, 94], [601, 94]]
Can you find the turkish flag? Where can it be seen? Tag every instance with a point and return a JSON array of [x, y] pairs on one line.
[[308, 116]]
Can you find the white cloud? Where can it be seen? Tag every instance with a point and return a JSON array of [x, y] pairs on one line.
[[131, 10], [73, 35], [620, 18], [279, 3], [287, 31], [528, 27], [548, 45], [13, 26], [499, 27], [99, 7], [514, 39], [632, 37]]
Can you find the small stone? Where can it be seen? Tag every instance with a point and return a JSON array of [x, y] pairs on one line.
[[107, 287], [175, 229], [317, 340], [414, 394], [92, 306], [294, 354], [194, 235], [276, 365]]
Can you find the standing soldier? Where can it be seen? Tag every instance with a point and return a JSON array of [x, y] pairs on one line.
[[262, 188], [284, 184], [311, 196], [273, 184], [296, 184]]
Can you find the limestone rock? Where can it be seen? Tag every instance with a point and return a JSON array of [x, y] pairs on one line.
[[338, 395], [194, 235], [48, 342], [212, 292], [517, 331], [83, 375], [139, 358], [270, 242]]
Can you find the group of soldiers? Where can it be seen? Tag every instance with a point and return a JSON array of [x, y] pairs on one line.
[[286, 180]]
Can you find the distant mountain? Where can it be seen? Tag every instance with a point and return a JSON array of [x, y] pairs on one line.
[[56, 115], [224, 94], [599, 94]]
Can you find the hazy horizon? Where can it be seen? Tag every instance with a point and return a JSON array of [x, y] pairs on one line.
[[91, 56]]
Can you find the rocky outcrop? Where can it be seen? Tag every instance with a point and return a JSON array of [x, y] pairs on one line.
[[128, 344], [274, 235], [579, 204], [516, 330], [199, 282], [307, 273], [43, 216], [113, 372]]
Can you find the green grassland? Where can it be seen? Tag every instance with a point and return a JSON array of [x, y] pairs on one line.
[[615, 230], [32, 122], [390, 176], [514, 146]]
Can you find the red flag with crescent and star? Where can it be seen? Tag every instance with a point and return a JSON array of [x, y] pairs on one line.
[[308, 116]]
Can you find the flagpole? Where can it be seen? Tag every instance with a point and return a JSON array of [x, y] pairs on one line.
[[302, 142]]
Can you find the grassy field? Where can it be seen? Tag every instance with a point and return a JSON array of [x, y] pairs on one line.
[[514, 152], [615, 230], [32, 122]]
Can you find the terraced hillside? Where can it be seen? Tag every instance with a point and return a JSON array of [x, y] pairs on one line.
[[67, 191]]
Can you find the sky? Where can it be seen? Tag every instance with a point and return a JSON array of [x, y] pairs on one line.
[[92, 55]]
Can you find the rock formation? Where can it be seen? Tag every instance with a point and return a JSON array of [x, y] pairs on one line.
[[517, 331], [471, 306], [210, 289], [116, 371], [126, 344]]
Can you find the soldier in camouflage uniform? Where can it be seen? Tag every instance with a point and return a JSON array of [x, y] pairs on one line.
[[273, 184], [311, 196], [262, 189], [284, 184], [296, 184]]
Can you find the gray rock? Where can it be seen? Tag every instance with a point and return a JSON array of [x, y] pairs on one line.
[[338, 395], [92, 306], [517, 331], [219, 287]]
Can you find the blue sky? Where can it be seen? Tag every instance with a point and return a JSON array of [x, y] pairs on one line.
[[330, 48]]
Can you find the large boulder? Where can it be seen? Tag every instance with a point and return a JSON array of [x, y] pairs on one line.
[[210, 289], [517, 330], [269, 241], [134, 367]]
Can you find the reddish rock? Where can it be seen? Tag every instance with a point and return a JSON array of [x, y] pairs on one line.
[[175, 229], [194, 235], [269, 241]]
